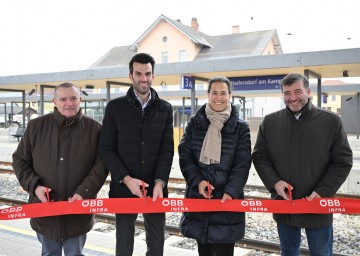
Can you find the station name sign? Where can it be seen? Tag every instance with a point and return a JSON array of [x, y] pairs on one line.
[[256, 82]]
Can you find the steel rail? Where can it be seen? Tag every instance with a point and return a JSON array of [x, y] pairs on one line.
[[181, 190]]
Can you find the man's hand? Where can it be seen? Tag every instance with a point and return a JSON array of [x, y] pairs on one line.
[[74, 198], [281, 188], [134, 185], [158, 190], [40, 192], [312, 196], [204, 190]]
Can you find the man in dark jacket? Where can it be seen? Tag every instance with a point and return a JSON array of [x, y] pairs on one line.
[[304, 149], [137, 146], [58, 154]]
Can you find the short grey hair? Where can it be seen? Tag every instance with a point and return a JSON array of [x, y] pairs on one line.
[[65, 85]]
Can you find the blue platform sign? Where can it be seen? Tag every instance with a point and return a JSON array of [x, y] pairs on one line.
[[187, 110], [256, 82], [187, 82]]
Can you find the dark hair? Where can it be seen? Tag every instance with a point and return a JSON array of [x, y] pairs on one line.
[[221, 79], [293, 78], [142, 58], [65, 85]]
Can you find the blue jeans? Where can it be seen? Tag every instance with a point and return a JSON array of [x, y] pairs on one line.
[[320, 240], [72, 246]]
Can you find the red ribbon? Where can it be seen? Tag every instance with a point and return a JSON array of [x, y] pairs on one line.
[[139, 205]]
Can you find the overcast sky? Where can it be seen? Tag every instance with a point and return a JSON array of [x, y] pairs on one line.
[[40, 36]]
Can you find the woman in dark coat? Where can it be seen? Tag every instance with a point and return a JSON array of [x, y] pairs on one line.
[[215, 158]]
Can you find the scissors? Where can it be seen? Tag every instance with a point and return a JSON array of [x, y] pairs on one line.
[[208, 190], [144, 191], [47, 193], [290, 194]]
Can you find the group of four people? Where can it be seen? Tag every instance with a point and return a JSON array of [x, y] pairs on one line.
[[301, 148]]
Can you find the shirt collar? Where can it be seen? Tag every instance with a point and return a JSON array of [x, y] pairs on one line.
[[143, 105]]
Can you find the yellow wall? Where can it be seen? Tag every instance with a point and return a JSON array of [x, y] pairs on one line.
[[176, 41], [333, 105], [270, 49], [178, 132]]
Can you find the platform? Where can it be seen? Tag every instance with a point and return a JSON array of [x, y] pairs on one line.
[[17, 238]]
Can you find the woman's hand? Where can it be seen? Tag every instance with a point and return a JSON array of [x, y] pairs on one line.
[[226, 197], [205, 189]]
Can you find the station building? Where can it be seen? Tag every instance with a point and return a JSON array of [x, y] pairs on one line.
[[185, 59]]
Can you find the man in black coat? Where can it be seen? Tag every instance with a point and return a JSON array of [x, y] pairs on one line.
[[304, 150], [137, 146]]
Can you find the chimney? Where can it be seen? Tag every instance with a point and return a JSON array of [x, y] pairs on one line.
[[194, 24], [236, 29], [178, 20]]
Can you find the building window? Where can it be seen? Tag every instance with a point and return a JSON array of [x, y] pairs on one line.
[[333, 97], [182, 56], [324, 98], [164, 39], [164, 57]]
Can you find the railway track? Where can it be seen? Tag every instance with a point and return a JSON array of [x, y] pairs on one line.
[[177, 185], [5, 163], [262, 245]]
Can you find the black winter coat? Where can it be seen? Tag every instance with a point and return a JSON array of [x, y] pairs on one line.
[[136, 142], [312, 154], [229, 176]]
